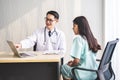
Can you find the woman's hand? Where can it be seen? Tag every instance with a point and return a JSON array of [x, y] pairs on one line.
[[70, 63], [75, 62]]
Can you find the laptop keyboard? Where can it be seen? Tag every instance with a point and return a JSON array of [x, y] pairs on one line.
[[27, 54]]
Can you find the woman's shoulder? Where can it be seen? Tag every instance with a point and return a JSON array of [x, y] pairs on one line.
[[78, 37]]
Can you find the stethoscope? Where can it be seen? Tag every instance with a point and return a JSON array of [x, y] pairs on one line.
[[44, 43]]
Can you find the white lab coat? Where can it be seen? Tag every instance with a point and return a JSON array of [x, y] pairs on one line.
[[44, 42]]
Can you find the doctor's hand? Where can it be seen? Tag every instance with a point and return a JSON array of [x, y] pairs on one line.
[[18, 46]]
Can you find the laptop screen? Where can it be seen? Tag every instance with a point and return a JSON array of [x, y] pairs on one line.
[[13, 48]]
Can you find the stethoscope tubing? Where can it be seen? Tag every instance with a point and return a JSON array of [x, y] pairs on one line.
[[51, 34]]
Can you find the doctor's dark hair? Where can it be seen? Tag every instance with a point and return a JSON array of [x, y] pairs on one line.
[[54, 13], [85, 31]]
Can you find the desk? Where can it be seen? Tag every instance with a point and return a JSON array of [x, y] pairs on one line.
[[40, 67]]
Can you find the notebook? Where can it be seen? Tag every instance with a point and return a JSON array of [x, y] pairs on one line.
[[16, 53]]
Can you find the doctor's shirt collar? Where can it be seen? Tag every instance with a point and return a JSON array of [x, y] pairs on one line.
[[51, 30]]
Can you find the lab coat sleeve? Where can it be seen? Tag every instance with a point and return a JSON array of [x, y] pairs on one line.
[[29, 41]]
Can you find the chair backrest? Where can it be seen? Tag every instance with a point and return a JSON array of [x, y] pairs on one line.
[[108, 52], [105, 63]]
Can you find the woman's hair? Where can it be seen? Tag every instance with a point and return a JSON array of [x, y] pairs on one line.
[[85, 31]]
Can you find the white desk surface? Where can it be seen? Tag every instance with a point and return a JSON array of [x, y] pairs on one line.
[[6, 57]]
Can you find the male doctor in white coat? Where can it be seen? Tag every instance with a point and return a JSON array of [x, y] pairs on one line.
[[46, 38]]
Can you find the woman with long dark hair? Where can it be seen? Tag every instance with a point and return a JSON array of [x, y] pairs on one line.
[[83, 52]]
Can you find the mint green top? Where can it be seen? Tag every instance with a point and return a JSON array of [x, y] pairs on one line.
[[80, 50]]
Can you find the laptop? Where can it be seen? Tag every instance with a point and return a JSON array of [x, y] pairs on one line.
[[16, 53]]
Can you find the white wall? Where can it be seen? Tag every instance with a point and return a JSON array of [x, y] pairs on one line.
[[112, 27], [19, 18]]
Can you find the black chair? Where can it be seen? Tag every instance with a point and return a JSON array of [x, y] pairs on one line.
[[104, 71], [34, 47]]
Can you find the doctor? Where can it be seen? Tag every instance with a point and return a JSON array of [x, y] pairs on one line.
[[46, 38]]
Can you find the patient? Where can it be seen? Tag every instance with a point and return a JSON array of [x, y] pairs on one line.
[[83, 52]]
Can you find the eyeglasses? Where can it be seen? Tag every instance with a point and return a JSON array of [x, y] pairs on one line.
[[50, 20]]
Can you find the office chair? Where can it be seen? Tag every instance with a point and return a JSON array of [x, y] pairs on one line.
[[104, 71]]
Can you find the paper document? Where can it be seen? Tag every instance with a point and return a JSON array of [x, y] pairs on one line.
[[53, 52]]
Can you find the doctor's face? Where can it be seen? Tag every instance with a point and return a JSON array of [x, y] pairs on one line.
[[50, 21]]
